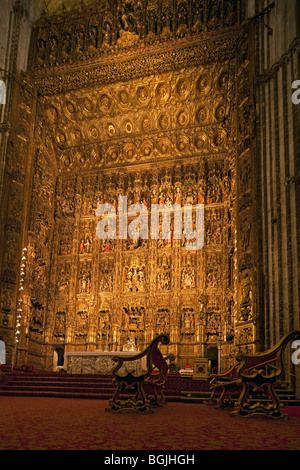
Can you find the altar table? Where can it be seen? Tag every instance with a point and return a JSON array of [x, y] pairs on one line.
[[99, 362]]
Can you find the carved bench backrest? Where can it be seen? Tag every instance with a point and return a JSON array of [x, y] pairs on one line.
[[249, 364], [159, 363], [152, 354]]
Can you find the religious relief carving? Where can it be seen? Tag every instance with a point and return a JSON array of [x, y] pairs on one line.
[[188, 273], [189, 233], [130, 344], [187, 326], [245, 177], [132, 320], [164, 273], [66, 239], [59, 325], [214, 188], [128, 25], [15, 208], [107, 245], [87, 235], [183, 13], [246, 302], [65, 198], [163, 319], [53, 49], [85, 245], [213, 276], [134, 278], [63, 280], [246, 222], [40, 274], [104, 322], [188, 280], [151, 20], [244, 337], [166, 20], [130, 18], [36, 323], [135, 244], [92, 40], [106, 277], [214, 224], [66, 47], [213, 320], [81, 326], [245, 234], [40, 54], [246, 121], [85, 278]]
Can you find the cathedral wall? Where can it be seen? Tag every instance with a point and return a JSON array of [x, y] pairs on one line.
[[277, 67], [278, 119]]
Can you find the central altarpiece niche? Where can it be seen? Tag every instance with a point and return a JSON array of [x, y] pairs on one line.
[[156, 140]]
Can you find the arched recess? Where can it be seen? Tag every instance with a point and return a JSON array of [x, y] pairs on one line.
[[58, 358], [212, 356]]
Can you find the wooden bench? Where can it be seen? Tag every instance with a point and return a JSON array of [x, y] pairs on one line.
[[224, 388], [140, 391], [249, 379]]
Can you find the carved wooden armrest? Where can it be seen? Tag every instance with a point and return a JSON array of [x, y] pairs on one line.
[[151, 353], [252, 366]]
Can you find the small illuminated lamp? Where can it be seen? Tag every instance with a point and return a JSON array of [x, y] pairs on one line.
[[20, 300]]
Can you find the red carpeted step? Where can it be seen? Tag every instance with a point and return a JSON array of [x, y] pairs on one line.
[[102, 386], [78, 385]]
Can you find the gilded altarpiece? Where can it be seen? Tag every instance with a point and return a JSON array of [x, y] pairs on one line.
[[130, 114]]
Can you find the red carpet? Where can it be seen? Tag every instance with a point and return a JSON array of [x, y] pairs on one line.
[[79, 424]]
